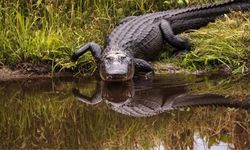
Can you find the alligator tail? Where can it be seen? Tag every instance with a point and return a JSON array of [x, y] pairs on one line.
[[198, 16], [209, 100]]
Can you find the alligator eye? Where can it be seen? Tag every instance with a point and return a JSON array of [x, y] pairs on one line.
[[108, 59], [123, 57]]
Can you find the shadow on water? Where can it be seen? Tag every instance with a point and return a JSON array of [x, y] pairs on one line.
[[171, 112]]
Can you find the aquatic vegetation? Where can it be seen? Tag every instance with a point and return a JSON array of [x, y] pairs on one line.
[[49, 31]]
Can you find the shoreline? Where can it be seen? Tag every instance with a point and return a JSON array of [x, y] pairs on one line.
[[7, 74]]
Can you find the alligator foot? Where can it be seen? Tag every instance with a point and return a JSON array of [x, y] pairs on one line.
[[143, 75], [177, 52], [143, 66]]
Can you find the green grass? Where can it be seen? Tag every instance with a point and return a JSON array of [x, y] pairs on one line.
[[222, 45], [49, 31], [225, 43]]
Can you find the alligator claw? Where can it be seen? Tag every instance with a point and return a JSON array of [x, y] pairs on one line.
[[73, 57], [177, 53]]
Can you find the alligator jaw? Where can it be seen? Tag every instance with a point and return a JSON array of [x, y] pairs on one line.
[[116, 66]]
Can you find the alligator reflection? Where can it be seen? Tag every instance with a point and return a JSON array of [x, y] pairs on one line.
[[144, 98], [44, 114]]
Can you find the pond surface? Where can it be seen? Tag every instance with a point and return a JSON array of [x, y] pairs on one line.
[[166, 112]]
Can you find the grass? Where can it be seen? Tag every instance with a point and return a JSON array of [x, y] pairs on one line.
[[48, 32], [223, 43]]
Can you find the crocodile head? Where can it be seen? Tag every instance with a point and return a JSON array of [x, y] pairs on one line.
[[116, 66]]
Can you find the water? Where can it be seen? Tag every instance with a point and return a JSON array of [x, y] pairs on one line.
[[167, 112]]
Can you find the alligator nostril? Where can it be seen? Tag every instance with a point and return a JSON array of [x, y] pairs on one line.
[[116, 76], [109, 76]]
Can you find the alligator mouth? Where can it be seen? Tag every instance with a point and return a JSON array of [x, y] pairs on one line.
[[116, 77], [117, 70]]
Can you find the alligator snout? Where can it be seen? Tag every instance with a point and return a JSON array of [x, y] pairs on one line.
[[112, 72], [116, 67], [117, 77]]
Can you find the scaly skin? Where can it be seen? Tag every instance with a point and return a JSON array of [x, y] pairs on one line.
[[138, 39]]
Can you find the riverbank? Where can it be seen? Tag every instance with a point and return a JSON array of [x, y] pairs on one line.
[[31, 73], [7, 74], [38, 43]]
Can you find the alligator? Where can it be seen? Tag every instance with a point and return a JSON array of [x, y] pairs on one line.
[[138, 39], [143, 99]]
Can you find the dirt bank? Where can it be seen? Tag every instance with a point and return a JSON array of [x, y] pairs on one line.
[[7, 74], [30, 71]]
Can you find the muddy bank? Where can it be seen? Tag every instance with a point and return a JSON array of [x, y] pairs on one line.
[[29, 72], [7, 74]]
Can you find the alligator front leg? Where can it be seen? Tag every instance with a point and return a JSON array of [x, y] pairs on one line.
[[179, 42], [94, 48], [143, 66]]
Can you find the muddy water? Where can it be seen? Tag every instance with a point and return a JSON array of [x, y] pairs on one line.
[[166, 112]]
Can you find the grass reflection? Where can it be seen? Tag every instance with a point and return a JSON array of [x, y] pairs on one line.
[[47, 116]]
